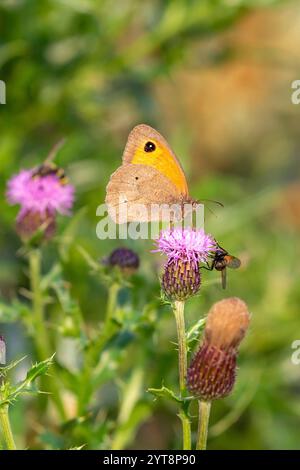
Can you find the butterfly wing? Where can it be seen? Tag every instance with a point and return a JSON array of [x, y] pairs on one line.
[[132, 190], [161, 158]]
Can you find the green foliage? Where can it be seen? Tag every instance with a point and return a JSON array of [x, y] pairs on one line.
[[9, 393], [89, 71]]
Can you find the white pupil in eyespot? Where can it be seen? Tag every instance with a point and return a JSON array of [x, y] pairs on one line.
[[149, 146]]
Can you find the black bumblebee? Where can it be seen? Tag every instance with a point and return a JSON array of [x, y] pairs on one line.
[[221, 260], [50, 168]]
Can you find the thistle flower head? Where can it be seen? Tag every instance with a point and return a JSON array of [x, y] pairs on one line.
[[185, 244], [212, 371], [40, 198], [40, 194], [185, 249]]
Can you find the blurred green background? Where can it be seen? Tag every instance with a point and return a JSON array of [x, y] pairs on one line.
[[214, 77]]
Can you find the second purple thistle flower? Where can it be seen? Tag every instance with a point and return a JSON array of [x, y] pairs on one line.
[[40, 198], [185, 250]]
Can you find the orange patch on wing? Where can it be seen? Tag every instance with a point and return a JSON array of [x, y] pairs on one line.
[[162, 160]]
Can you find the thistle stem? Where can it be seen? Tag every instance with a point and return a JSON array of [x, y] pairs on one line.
[[182, 349], [178, 309], [204, 412], [41, 336], [6, 429]]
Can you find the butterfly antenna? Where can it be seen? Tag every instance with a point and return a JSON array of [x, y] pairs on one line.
[[200, 201], [211, 200], [55, 149]]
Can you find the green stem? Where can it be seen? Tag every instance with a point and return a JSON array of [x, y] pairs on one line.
[[109, 327], [6, 429], [182, 349], [41, 336], [178, 309], [204, 411], [186, 429], [93, 354]]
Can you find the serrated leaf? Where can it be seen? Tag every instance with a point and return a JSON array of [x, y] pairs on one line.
[[194, 332], [11, 392], [165, 392], [4, 370]]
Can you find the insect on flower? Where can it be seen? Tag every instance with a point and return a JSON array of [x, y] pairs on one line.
[[221, 260], [41, 193], [48, 167]]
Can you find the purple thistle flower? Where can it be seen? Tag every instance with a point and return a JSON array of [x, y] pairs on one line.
[[185, 249], [40, 198], [185, 245], [40, 194]]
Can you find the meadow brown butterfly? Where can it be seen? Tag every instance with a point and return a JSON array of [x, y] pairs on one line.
[[150, 174]]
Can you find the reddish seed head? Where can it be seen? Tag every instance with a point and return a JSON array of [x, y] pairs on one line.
[[212, 371]]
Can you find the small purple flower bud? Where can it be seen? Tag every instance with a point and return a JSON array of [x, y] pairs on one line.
[[212, 371], [127, 260]]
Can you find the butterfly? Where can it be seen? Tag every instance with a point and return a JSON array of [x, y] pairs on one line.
[[150, 174]]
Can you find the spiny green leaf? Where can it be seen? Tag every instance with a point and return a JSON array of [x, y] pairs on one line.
[[9, 393], [165, 392], [4, 370], [194, 332]]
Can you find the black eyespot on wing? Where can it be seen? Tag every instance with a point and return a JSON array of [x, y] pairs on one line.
[[136, 178], [149, 146]]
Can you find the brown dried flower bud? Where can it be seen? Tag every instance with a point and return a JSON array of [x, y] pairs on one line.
[[227, 323], [212, 372]]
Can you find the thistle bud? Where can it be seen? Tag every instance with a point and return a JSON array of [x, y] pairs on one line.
[[185, 250], [127, 260], [28, 223], [212, 371], [181, 279]]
